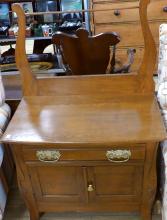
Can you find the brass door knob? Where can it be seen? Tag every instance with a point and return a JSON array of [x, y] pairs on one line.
[[165, 8], [90, 188], [117, 12]]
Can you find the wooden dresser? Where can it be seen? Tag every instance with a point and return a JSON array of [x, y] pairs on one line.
[[87, 143], [123, 17]]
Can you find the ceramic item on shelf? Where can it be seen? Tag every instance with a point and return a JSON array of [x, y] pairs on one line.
[[47, 30]]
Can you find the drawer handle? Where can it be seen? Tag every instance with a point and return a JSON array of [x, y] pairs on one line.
[[48, 156], [118, 156], [90, 188], [117, 12], [165, 9]]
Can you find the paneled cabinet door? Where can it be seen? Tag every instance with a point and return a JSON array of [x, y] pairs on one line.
[[116, 183], [57, 183]]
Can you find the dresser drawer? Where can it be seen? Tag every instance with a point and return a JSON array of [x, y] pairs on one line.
[[120, 12], [128, 11], [49, 154], [129, 39], [157, 10]]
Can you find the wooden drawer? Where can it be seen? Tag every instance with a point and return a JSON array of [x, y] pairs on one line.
[[127, 11], [129, 39], [156, 10], [32, 154]]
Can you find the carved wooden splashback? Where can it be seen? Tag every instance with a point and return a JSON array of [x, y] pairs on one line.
[[140, 81]]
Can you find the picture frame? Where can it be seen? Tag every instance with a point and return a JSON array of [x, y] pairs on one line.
[[44, 6], [67, 5], [4, 14], [28, 8]]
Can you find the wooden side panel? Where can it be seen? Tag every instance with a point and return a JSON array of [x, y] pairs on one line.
[[85, 85]]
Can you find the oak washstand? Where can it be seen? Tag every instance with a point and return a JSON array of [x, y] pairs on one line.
[[87, 143]]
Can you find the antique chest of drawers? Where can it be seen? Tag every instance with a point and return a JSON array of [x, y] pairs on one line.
[[123, 18], [86, 153]]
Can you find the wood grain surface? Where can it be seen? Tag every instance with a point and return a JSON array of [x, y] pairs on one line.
[[95, 119]]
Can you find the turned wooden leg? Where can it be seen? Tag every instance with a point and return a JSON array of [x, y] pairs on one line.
[[149, 182]]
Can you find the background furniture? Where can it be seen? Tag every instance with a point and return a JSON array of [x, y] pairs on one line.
[[162, 97], [11, 79], [124, 19], [83, 144], [85, 54], [65, 22], [6, 159]]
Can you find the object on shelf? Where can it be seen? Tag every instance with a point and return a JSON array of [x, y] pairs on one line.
[[13, 31], [38, 62], [125, 68], [8, 59], [37, 30], [10, 52], [28, 8], [47, 30], [28, 32], [71, 21], [35, 66], [70, 25], [3, 32]]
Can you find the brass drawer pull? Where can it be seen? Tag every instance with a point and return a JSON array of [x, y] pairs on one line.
[[117, 12], [118, 156], [165, 8], [90, 188], [48, 156]]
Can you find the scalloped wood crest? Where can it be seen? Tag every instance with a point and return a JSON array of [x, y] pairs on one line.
[[138, 82], [87, 54]]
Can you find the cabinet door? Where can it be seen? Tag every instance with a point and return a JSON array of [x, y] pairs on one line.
[[117, 183], [57, 183]]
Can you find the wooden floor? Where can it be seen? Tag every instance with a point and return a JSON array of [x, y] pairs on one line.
[[16, 210]]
